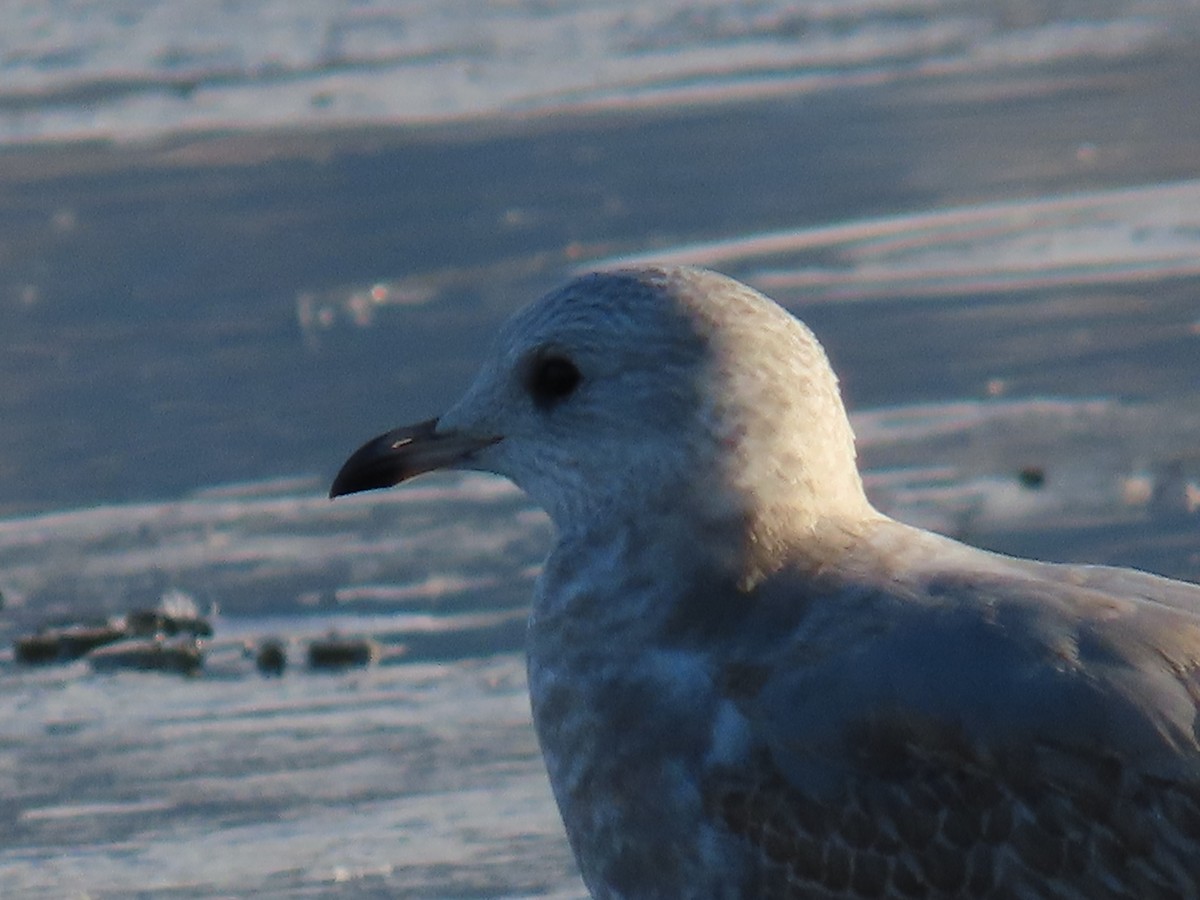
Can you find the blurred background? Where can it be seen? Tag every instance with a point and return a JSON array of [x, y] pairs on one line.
[[238, 239]]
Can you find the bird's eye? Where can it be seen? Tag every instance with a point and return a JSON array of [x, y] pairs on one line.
[[552, 379]]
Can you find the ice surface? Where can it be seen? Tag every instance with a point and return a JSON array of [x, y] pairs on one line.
[[147, 69]]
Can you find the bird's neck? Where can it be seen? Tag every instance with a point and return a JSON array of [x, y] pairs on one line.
[[702, 532]]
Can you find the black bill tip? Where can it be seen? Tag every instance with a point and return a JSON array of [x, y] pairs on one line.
[[383, 461], [404, 453]]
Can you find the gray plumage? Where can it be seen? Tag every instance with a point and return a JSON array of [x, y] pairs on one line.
[[747, 682]]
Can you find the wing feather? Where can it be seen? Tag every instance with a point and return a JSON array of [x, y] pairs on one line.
[[987, 731]]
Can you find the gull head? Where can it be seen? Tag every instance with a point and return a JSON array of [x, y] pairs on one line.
[[644, 390]]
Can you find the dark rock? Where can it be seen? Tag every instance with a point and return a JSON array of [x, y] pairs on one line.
[[1032, 477], [336, 652], [182, 656], [57, 645], [149, 622], [271, 658]]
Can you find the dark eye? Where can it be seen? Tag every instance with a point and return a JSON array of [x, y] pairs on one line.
[[552, 378]]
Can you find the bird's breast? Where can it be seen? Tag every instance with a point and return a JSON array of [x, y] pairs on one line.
[[625, 721]]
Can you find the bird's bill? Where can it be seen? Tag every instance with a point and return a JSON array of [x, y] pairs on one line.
[[403, 453]]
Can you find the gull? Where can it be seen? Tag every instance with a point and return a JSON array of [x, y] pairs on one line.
[[747, 682]]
